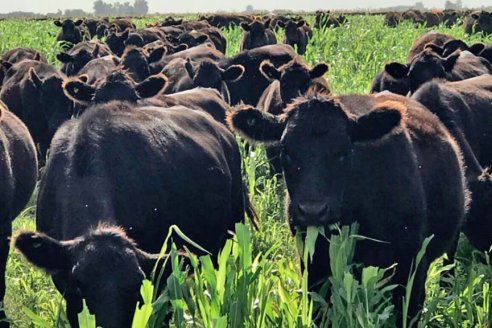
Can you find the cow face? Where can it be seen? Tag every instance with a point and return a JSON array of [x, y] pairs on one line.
[[116, 86], [483, 21], [317, 138], [103, 267], [56, 107], [295, 78], [70, 31], [209, 75], [136, 62], [74, 62], [116, 41], [257, 33]]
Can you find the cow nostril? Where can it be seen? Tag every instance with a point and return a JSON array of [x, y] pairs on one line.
[[313, 209]]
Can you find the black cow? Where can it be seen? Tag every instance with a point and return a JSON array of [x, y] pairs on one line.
[[18, 172], [137, 62], [71, 32], [91, 26], [429, 65], [34, 93], [289, 81], [383, 161], [384, 81], [99, 68], [16, 55], [256, 34], [464, 107], [297, 34], [419, 45], [251, 85], [478, 21], [167, 166], [185, 75], [74, 59]]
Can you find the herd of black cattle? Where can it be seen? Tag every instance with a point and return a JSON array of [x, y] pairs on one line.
[[135, 134]]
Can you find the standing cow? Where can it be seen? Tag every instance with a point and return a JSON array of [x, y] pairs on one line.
[[18, 172], [383, 161]]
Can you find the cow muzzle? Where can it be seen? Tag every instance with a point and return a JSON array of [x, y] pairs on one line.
[[311, 213]]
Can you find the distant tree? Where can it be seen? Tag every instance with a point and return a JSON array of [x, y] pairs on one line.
[[102, 8], [419, 5], [453, 5], [249, 9], [75, 13], [141, 7]]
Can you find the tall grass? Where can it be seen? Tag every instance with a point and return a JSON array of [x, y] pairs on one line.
[[257, 281]]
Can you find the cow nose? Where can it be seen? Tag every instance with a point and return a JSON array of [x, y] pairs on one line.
[[312, 210]]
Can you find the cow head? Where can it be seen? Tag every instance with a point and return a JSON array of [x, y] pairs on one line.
[[208, 74], [295, 77], [136, 61], [317, 137], [55, 106], [116, 41], [70, 31], [483, 21], [104, 267], [73, 62], [256, 33], [118, 85], [424, 67]]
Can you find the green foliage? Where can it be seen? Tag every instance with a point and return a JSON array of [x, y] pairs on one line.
[[256, 281]]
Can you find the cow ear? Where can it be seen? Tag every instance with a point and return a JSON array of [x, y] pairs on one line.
[[78, 91], [318, 70], [233, 73], [116, 60], [246, 26], [151, 86], [269, 71], [189, 67], [5, 64], [64, 57], [58, 23], [124, 34], [396, 70], [449, 62], [156, 55], [267, 23], [201, 38], [181, 47], [44, 252], [78, 22], [377, 123], [83, 77], [37, 56], [256, 125], [301, 23], [475, 16], [281, 24], [34, 78], [95, 52], [477, 48]]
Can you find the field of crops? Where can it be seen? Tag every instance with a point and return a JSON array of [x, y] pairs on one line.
[[258, 281]]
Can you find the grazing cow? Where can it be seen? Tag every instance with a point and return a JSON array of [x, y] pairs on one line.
[[34, 94], [116, 41], [71, 32], [251, 85], [256, 34], [449, 17], [185, 75], [428, 65], [464, 107], [384, 161], [74, 59], [451, 46], [431, 19], [18, 171], [419, 45], [130, 174], [392, 19], [478, 21], [326, 20], [297, 34], [289, 81], [227, 20]]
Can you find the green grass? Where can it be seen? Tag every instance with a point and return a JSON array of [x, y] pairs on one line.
[[264, 286]]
